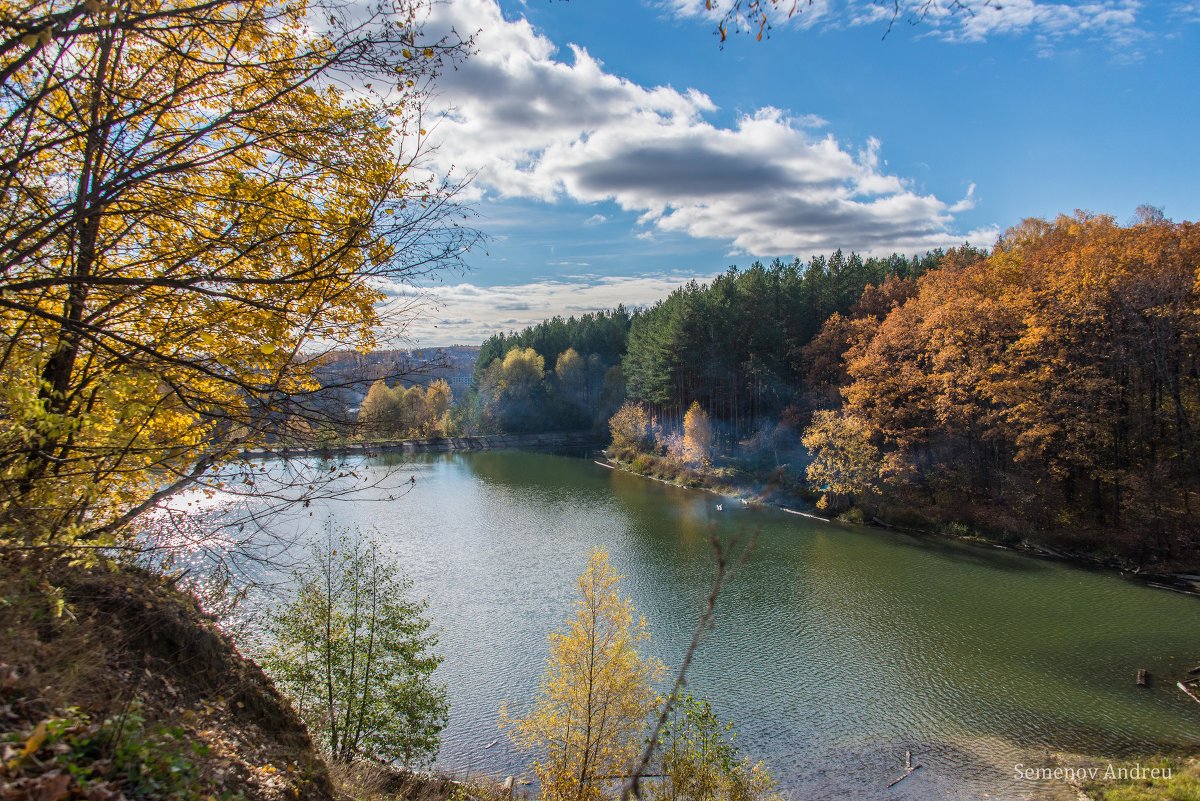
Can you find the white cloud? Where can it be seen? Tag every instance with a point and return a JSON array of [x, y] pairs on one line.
[[972, 21], [532, 125], [467, 314], [595, 219], [1053, 20], [1189, 12]]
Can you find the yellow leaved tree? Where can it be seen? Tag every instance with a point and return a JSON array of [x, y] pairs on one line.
[[193, 205], [697, 436], [590, 718]]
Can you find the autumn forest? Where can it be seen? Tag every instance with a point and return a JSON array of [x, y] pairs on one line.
[[1047, 388]]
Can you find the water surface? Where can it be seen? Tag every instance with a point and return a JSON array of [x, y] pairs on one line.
[[837, 649]]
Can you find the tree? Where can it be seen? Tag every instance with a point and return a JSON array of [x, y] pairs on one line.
[[355, 655], [438, 397], [1049, 385], [630, 429], [511, 391], [190, 205], [699, 761], [845, 463], [571, 372], [590, 716], [380, 412], [697, 436]]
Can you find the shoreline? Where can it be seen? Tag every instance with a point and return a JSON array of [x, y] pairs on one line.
[[482, 442], [1182, 583]]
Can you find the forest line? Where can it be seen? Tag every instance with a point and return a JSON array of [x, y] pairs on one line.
[[1048, 388]]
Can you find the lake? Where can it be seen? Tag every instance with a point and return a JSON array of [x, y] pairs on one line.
[[836, 650]]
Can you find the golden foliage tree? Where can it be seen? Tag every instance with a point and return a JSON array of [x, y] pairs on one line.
[[845, 465], [571, 372], [591, 713], [379, 414], [697, 436], [405, 411], [190, 207], [438, 399], [511, 390], [630, 428]]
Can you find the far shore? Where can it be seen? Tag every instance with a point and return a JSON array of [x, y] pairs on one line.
[[1184, 583], [483, 442]]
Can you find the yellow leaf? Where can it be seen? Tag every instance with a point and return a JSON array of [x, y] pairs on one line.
[[35, 740], [267, 348]]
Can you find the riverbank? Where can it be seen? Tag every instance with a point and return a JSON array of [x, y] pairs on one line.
[[483, 442], [115, 685], [1158, 779], [774, 489]]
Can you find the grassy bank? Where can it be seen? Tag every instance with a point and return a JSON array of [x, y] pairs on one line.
[[114, 683], [1182, 784]]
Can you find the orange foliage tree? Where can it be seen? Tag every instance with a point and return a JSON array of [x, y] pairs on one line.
[[1054, 384]]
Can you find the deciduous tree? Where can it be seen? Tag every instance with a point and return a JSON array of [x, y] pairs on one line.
[[355, 655], [190, 205], [697, 436], [630, 429], [591, 713], [699, 761], [846, 464]]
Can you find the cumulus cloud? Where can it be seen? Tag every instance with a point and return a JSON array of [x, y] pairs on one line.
[[467, 314], [533, 122]]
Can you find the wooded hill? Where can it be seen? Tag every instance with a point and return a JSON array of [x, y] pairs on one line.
[[1049, 387]]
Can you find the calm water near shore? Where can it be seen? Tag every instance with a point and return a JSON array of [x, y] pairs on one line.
[[836, 650]]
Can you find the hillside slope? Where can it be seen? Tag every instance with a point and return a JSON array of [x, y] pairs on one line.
[[113, 684]]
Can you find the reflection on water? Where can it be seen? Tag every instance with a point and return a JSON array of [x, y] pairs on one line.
[[837, 649]]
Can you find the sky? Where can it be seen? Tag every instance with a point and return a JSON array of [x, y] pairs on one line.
[[615, 149]]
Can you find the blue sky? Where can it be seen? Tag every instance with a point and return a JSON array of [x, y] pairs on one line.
[[617, 150]]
